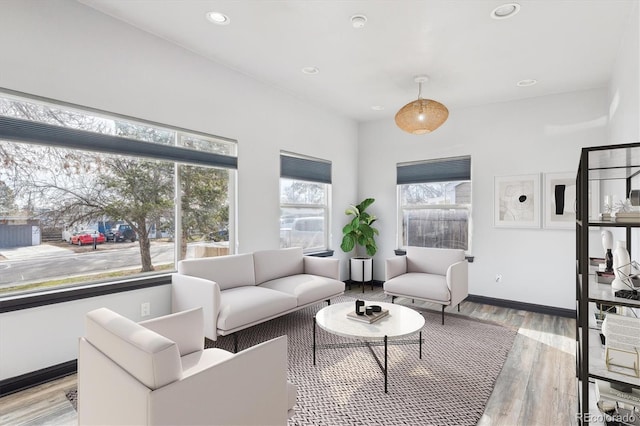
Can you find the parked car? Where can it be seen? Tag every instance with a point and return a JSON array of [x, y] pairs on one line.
[[305, 232], [86, 237], [121, 232]]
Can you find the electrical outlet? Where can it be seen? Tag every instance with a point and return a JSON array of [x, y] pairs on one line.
[[145, 309], [498, 278]]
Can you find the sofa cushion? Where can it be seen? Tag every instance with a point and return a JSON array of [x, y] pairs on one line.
[[306, 288], [272, 264], [421, 286], [228, 271], [148, 356], [432, 260], [245, 305]]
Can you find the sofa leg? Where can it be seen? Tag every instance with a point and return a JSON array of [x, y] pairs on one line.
[[458, 307], [442, 314], [328, 301], [235, 343], [393, 299]]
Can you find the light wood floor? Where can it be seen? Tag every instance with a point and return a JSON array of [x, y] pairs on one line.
[[536, 386]]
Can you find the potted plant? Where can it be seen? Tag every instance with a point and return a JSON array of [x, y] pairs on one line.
[[359, 233]]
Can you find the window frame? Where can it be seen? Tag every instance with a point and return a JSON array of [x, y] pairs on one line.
[[319, 173], [455, 178], [176, 153]]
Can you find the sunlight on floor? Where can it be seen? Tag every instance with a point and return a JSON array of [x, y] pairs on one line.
[[564, 343]]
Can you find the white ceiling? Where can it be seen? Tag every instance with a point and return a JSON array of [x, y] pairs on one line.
[[471, 59]]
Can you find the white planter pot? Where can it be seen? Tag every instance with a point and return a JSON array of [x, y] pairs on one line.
[[357, 271]]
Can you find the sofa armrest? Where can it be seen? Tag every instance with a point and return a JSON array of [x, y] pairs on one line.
[[189, 292], [458, 281], [395, 266], [185, 328], [256, 376], [322, 266]]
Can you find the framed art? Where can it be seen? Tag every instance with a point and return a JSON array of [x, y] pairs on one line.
[[559, 204], [517, 201]]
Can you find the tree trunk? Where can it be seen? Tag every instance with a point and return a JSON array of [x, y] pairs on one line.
[[145, 245]]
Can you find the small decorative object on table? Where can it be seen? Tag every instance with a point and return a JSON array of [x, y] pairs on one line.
[[372, 315], [360, 309]]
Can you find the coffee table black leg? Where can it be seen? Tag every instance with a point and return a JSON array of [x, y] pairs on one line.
[[385, 364], [314, 340], [420, 343]]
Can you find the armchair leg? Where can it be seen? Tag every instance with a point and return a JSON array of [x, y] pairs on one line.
[[458, 307], [442, 314], [393, 299], [235, 343], [328, 301]]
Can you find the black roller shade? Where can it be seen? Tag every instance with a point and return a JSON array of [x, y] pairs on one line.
[[442, 170], [19, 130], [305, 169]]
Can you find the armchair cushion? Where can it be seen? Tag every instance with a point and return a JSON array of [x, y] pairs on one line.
[[185, 328], [271, 264], [420, 286], [149, 357]]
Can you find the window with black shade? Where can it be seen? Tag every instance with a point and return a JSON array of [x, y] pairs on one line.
[[89, 197], [434, 203], [305, 192]]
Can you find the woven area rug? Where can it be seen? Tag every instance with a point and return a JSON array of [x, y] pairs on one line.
[[450, 385]]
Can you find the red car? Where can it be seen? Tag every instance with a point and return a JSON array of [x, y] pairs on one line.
[[86, 237]]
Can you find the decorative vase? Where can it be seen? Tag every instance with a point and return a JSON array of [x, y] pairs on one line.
[[621, 267], [361, 269]]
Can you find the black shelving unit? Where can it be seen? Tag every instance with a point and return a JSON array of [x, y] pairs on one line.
[[610, 162]]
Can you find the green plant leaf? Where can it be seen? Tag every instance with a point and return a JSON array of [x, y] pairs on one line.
[[348, 243]]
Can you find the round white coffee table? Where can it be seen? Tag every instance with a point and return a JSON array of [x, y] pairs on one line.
[[401, 321]]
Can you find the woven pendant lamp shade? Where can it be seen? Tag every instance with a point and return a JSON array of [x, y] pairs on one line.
[[433, 115], [422, 115]]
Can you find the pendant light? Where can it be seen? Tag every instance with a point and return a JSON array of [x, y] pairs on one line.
[[422, 115]]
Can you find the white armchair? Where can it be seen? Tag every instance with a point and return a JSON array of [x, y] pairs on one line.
[[429, 274], [157, 373]]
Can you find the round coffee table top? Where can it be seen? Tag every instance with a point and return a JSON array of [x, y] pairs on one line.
[[400, 321]]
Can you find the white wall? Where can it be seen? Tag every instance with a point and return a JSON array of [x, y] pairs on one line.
[[66, 51], [624, 88], [538, 135]]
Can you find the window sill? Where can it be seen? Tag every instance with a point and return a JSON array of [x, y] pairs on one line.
[[400, 252], [33, 300], [323, 253]]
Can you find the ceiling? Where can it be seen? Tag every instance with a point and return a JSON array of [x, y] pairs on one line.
[[471, 58]]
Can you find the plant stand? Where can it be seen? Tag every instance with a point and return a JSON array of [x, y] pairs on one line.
[[364, 262]]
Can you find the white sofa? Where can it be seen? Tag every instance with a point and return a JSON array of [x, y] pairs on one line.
[[429, 274], [157, 373], [242, 290]]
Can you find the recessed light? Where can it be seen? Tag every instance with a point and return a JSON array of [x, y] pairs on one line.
[[358, 21], [377, 107], [218, 18], [310, 70], [505, 11], [526, 83]]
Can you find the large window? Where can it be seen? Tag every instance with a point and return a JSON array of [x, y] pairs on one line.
[[305, 186], [87, 197], [435, 203]]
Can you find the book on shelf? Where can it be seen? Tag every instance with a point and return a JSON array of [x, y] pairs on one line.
[[627, 217], [622, 348], [375, 316]]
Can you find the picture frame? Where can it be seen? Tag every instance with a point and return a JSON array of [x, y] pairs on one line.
[[517, 201], [559, 197]]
